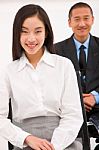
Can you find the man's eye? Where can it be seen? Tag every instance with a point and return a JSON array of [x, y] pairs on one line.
[[76, 19], [86, 18]]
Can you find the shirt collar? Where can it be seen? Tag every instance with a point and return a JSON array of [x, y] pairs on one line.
[[23, 61], [46, 58], [78, 44]]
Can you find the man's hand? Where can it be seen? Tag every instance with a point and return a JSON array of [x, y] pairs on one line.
[[89, 101], [38, 144]]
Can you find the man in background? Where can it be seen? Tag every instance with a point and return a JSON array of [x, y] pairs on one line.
[[81, 19]]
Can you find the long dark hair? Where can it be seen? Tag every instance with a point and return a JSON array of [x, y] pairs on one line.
[[26, 12]]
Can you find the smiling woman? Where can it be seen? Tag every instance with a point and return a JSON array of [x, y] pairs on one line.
[[39, 84], [32, 38], [57, 14]]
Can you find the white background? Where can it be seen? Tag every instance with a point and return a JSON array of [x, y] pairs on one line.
[[57, 11]]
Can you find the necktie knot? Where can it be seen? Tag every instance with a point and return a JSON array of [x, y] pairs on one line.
[[82, 47]]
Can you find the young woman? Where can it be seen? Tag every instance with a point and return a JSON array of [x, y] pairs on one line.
[[42, 86]]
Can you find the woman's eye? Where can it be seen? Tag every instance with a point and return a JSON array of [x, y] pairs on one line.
[[38, 31], [23, 31]]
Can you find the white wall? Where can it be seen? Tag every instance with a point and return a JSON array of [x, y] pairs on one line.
[[58, 14]]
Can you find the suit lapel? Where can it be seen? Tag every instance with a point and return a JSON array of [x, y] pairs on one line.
[[73, 53], [93, 54]]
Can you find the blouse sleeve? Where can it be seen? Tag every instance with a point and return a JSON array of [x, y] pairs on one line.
[[8, 131], [71, 111]]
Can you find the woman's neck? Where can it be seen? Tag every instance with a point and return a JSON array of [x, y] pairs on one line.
[[35, 58]]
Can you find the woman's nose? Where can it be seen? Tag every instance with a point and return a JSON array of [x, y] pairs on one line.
[[31, 37]]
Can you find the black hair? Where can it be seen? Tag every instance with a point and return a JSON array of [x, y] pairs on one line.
[[26, 12], [79, 5]]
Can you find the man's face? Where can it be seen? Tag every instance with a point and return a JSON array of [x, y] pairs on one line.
[[81, 21]]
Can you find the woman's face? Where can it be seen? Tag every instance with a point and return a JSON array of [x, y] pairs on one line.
[[32, 35]]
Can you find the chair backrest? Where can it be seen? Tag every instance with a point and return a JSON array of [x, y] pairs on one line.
[[10, 146], [84, 129]]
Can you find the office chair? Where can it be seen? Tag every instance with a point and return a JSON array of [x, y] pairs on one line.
[[93, 125], [10, 146], [84, 133], [90, 128]]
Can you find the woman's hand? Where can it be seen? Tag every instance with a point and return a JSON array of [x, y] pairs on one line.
[[38, 144]]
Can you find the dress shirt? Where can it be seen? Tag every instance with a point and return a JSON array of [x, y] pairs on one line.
[[86, 44], [50, 89]]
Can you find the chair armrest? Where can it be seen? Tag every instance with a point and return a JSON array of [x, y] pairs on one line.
[[95, 108], [94, 119]]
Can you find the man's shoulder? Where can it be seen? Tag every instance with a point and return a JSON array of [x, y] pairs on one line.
[[64, 44], [65, 41], [96, 39], [63, 47]]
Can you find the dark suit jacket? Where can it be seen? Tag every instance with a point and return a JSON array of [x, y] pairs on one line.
[[67, 49]]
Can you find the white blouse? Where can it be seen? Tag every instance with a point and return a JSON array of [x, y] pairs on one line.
[[49, 90]]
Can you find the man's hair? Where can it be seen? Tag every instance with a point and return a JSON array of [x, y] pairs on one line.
[[79, 5]]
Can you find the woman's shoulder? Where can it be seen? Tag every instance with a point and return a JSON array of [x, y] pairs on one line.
[[61, 58], [14, 64], [63, 62], [10, 67]]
